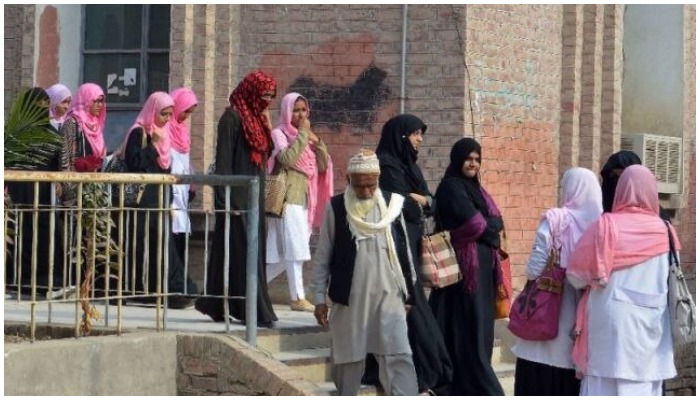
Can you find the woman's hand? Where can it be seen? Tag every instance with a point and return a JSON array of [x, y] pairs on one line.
[[157, 135], [267, 119], [305, 124], [420, 199]]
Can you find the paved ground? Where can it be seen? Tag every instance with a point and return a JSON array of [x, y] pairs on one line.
[[144, 317]]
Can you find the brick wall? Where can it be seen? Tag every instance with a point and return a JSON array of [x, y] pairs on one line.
[[515, 78], [216, 365], [19, 49]]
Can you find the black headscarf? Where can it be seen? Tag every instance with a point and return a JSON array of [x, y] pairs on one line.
[[621, 159], [395, 148], [459, 153], [31, 99]]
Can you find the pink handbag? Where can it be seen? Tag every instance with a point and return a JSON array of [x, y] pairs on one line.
[[534, 314]]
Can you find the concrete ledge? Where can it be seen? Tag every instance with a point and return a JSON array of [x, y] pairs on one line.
[[132, 364]]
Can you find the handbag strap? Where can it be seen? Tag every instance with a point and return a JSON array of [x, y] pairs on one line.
[[672, 256]]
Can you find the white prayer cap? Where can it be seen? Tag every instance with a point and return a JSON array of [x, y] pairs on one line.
[[363, 162]]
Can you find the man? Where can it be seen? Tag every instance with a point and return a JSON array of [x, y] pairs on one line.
[[362, 262]]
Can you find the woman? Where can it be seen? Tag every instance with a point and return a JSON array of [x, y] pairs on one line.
[[185, 103], [150, 128], [60, 98], [36, 101], [305, 158], [242, 148], [624, 345], [545, 368], [611, 174], [83, 136], [398, 151], [465, 310]]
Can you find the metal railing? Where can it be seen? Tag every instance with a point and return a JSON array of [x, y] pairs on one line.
[[99, 236]]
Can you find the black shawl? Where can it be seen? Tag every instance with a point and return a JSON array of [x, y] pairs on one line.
[[454, 214], [397, 160]]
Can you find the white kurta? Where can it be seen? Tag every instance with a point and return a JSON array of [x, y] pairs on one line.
[[629, 326], [555, 352], [288, 237], [375, 320], [180, 165]]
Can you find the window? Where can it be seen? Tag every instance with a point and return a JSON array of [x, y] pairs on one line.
[[126, 51]]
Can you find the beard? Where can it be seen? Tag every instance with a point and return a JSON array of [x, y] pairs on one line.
[[359, 207]]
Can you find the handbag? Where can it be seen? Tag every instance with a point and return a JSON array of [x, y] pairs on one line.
[[680, 301], [275, 192], [439, 267], [504, 291], [132, 191], [535, 312]]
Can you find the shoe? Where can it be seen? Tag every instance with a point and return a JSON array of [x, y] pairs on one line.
[[180, 302], [302, 305], [55, 294]]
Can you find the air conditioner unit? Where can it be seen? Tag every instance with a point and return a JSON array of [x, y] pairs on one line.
[[663, 155]]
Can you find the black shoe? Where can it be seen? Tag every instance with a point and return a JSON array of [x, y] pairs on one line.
[[199, 305], [180, 302]]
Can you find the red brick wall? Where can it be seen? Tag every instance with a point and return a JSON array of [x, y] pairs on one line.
[[515, 83], [500, 58]]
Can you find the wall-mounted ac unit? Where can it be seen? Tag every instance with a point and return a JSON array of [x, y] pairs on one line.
[[663, 155]]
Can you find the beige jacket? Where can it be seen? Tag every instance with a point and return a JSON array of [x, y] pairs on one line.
[[297, 182]]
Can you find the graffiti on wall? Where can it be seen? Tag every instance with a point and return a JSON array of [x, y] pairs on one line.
[[355, 104]]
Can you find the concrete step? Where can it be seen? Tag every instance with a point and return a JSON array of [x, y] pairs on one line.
[[505, 372], [313, 364], [291, 339], [328, 389]]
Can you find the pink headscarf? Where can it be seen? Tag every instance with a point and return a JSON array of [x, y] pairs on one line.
[[92, 126], [57, 93], [581, 205], [180, 138], [631, 234], [320, 184], [156, 102]]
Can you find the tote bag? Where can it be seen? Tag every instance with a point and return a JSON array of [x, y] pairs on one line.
[[680, 301], [535, 312], [439, 267]]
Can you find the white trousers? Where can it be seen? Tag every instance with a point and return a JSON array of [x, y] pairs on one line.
[[295, 280], [597, 386], [397, 375]]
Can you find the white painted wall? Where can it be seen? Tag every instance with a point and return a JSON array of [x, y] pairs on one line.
[[652, 88], [69, 30], [70, 64]]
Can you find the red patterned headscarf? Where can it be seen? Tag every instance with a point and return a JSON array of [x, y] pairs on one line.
[[247, 100]]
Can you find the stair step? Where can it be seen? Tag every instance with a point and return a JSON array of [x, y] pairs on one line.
[[328, 389], [505, 372], [292, 339], [314, 364]]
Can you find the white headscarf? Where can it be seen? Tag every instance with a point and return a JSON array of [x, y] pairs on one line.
[[362, 229], [581, 205]]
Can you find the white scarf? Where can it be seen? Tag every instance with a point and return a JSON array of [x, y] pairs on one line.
[[362, 229]]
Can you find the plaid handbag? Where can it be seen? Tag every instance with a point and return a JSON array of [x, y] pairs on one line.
[[439, 267]]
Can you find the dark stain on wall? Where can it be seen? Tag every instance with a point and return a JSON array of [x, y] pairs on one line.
[[355, 104]]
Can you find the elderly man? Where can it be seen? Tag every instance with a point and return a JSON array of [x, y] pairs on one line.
[[363, 263]]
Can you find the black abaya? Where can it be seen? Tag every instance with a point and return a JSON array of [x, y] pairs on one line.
[[400, 174], [233, 158], [466, 318], [144, 160]]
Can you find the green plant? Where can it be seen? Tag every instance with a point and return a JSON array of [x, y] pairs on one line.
[[29, 142]]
